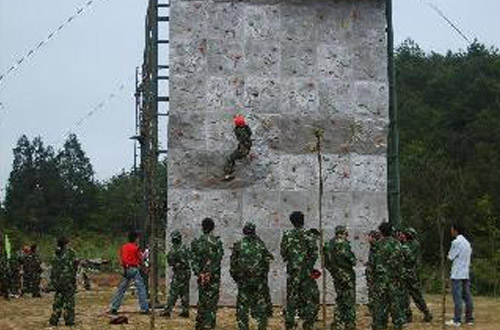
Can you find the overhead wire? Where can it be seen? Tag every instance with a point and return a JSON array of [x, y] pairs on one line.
[[95, 109], [33, 51], [453, 25]]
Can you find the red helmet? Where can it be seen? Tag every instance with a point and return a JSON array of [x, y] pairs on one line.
[[239, 120]]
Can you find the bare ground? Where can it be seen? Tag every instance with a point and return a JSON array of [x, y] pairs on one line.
[[28, 313]]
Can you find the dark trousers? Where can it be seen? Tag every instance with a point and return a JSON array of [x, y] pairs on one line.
[[461, 292]]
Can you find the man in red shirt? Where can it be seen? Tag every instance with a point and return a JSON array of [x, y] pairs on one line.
[[131, 259]]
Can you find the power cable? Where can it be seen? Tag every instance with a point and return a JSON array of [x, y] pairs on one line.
[[41, 44], [101, 105], [449, 21]]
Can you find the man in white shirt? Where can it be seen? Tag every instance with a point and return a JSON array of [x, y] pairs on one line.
[[460, 255]]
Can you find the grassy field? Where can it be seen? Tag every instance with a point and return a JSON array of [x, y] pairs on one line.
[[33, 314]]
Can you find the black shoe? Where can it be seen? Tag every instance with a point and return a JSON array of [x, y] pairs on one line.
[[184, 314], [113, 312], [70, 324], [228, 177], [428, 318], [165, 314]]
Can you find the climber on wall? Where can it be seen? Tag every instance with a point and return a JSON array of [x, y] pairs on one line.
[[243, 135]]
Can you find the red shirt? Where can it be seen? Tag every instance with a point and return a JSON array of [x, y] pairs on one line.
[[130, 255]]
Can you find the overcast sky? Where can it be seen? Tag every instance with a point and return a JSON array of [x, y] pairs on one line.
[[98, 52]]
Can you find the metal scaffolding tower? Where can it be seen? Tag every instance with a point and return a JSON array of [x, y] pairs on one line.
[[151, 105]]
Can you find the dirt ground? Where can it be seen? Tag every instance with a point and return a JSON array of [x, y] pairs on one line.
[[33, 314]]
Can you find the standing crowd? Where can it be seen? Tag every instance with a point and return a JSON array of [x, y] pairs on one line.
[[20, 272], [391, 274]]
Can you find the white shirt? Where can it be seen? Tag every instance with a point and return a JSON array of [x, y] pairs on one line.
[[460, 253]]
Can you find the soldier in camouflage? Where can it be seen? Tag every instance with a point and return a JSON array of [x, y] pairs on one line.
[[15, 266], [206, 254], [299, 250], [388, 265], [267, 291], [4, 270], [311, 285], [249, 268], [32, 271], [371, 281], [178, 259], [244, 136], [63, 276], [403, 293], [340, 262], [411, 251]]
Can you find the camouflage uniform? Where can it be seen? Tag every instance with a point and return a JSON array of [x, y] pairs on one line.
[[4, 271], [249, 268], [411, 250], [388, 265], [63, 276], [178, 259], [243, 135], [373, 298], [339, 260], [299, 250], [267, 291], [206, 253], [32, 273], [15, 263]]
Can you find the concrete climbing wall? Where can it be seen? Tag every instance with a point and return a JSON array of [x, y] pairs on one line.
[[289, 66]]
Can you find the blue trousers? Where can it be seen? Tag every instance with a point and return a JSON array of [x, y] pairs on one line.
[[131, 274], [461, 292]]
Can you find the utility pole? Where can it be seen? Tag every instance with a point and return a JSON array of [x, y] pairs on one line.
[[393, 187], [137, 96]]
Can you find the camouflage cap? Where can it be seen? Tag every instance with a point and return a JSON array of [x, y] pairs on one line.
[[249, 228], [340, 230]]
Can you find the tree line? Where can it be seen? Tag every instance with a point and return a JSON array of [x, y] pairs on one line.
[[449, 124], [55, 192]]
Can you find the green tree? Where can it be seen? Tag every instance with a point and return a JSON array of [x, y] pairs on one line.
[[449, 110], [33, 195], [120, 200], [77, 174]]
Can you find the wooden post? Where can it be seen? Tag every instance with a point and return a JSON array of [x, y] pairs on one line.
[[443, 271], [319, 134]]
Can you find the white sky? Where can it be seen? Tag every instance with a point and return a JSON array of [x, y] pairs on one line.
[[99, 51]]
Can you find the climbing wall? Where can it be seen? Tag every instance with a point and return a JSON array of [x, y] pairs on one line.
[[289, 67]]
